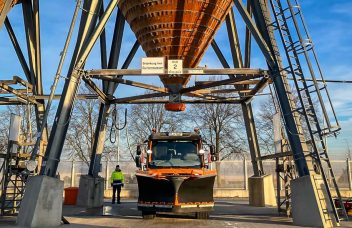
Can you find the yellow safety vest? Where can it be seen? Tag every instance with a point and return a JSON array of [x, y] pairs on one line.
[[117, 175]]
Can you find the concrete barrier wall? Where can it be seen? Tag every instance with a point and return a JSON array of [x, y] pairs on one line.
[[230, 182], [132, 193], [231, 174]]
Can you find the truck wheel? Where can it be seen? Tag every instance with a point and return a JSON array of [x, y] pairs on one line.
[[202, 215], [148, 214]]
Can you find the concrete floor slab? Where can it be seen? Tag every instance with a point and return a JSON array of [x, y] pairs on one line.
[[227, 213]]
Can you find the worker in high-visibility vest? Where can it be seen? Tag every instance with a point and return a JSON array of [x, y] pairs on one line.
[[117, 182]]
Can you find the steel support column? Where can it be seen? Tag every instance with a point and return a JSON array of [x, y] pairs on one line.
[[89, 18], [246, 107], [99, 140], [32, 28], [267, 45], [252, 139], [18, 49], [63, 115], [108, 88]]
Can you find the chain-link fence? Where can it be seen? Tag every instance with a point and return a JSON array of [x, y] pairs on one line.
[[231, 174]]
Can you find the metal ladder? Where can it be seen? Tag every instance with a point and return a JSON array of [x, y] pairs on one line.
[[12, 185], [295, 52]]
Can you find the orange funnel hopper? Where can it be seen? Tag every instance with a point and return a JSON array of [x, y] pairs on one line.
[[175, 29], [5, 7]]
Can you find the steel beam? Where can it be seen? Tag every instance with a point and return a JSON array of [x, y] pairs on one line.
[[62, 119], [21, 96], [217, 83], [186, 71], [138, 97], [292, 122], [234, 40], [32, 31], [58, 96], [249, 122], [89, 18], [101, 95], [116, 48], [257, 89], [99, 140], [103, 54], [98, 145], [252, 138], [209, 91], [244, 82], [248, 39], [40, 108], [131, 55], [18, 49], [133, 83], [30, 38], [255, 32], [109, 87], [154, 101], [42, 130], [276, 155], [37, 51]]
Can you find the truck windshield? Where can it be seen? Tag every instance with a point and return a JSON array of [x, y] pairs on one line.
[[174, 154]]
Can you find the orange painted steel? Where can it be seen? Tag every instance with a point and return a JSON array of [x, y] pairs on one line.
[[2, 4], [160, 173], [175, 29]]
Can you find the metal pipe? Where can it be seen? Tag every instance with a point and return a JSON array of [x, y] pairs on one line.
[[88, 20], [63, 114], [56, 80]]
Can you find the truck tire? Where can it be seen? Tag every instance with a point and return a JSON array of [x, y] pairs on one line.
[[148, 214], [202, 215]]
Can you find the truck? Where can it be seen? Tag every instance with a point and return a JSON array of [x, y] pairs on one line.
[[174, 174]]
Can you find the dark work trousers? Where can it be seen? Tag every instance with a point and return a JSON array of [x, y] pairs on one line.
[[114, 189]]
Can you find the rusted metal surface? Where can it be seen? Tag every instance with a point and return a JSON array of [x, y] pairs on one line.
[[175, 29]]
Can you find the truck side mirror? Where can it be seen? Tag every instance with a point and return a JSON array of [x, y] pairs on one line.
[[139, 151]]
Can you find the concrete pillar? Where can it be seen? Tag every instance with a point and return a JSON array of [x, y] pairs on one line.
[[90, 192], [41, 206], [310, 205], [261, 191]]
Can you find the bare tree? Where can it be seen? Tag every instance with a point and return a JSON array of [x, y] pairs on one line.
[[143, 118], [264, 126], [80, 135], [221, 125], [264, 120]]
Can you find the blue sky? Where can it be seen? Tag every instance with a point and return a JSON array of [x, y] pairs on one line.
[[329, 23]]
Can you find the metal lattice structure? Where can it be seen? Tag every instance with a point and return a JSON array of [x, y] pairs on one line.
[[183, 30]]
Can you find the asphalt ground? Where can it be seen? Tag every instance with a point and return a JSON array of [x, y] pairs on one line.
[[227, 213]]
